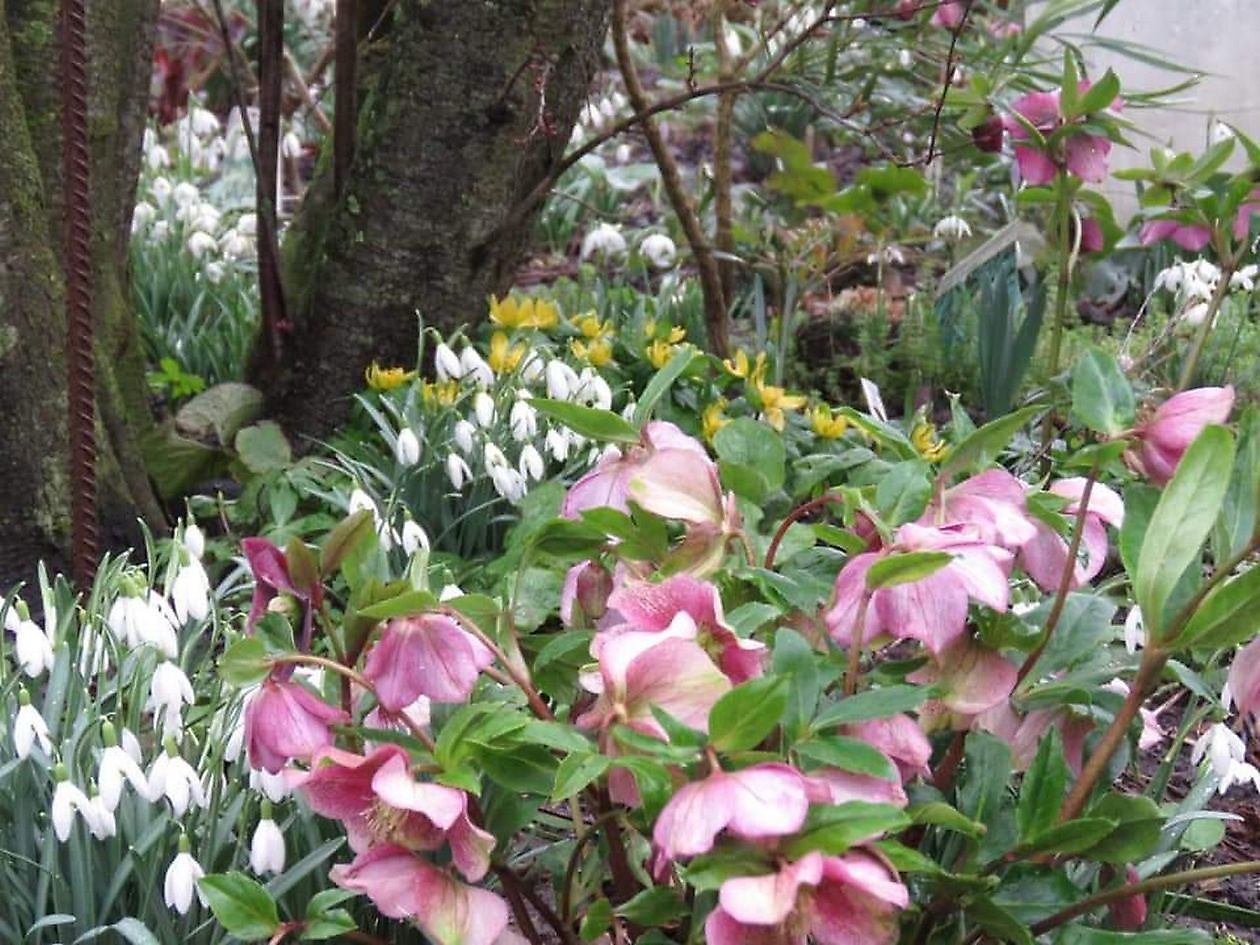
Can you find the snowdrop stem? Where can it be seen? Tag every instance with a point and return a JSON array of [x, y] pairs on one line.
[[1205, 328], [1065, 580]]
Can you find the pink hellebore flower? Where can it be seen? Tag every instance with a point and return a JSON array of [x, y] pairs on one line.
[[767, 800], [378, 801], [1242, 220], [992, 503], [1044, 557], [932, 610], [283, 721], [1084, 154], [403, 886], [1165, 437], [973, 678], [584, 597], [271, 578], [1129, 914], [429, 655], [1024, 734], [837, 786], [1244, 681], [833, 900], [1092, 239], [654, 607], [949, 14], [901, 739], [1191, 237]]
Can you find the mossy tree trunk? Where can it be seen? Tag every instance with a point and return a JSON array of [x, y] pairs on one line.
[[34, 477], [465, 106]]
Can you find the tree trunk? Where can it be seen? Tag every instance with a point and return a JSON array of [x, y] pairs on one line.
[[465, 107], [34, 463]]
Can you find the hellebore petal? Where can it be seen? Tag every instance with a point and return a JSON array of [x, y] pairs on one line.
[[1191, 237], [857, 901], [678, 484], [584, 597], [1086, 157], [770, 899], [1035, 166], [1164, 438], [974, 678], [992, 503], [429, 655], [1244, 681], [901, 739], [284, 721]]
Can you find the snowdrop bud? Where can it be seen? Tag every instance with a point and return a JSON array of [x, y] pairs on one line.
[[524, 421], [475, 367], [457, 471], [360, 501], [659, 250], [169, 691], [200, 243], [186, 194], [600, 393], [266, 849], [247, 225], [190, 592], [142, 215], [532, 368], [1134, 632], [181, 880], [1195, 315], [531, 463], [274, 786], [194, 540], [557, 444], [413, 537], [450, 592], [446, 363], [493, 456], [172, 777], [67, 801], [605, 241], [462, 434], [508, 483], [951, 229], [407, 447], [483, 409], [161, 189], [29, 727], [1220, 132], [31, 645], [561, 380], [156, 157]]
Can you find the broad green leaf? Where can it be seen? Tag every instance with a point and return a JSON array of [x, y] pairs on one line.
[[597, 921], [903, 493], [245, 662], [871, 704], [1071, 837], [343, 539], [748, 443], [984, 445], [795, 660], [848, 754], [833, 829], [1228, 616], [1003, 926], [1139, 822], [656, 905], [576, 772], [747, 714], [905, 568], [1083, 935], [241, 905], [983, 794], [1101, 94], [940, 814], [661, 382], [710, 870], [1184, 516], [404, 605], [1102, 397], [1042, 790], [602, 425], [263, 448]]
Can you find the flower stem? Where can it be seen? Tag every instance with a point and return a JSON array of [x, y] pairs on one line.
[[805, 508], [518, 674], [855, 647], [1067, 256]]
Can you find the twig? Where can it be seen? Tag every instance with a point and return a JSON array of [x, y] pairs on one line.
[[805, 508], [945, 86]]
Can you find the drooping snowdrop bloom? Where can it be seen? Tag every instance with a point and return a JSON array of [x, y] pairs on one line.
[[475, 367], [31, 645], [172, 777], [116, 766], [446, 363], [283, 721], [169, 691], [952, 229], [557, 444], [140, 617], [143, 214], [524, 421], [508, 482], [186, 194], [190, 591], [428, 655], [659, 250], [484, 410], [182, 876], [493, 456], [274, 787], [531, 463], [457, 471], [593, 390], [194, 540], [1245, 278], [463, 433], [67, 801], [413, 537], [1222, 748], [266, 848], [29, 727], [562, 380], [407, 447], [200, 243], [1134, 630], [1164, 438], [604, 242]]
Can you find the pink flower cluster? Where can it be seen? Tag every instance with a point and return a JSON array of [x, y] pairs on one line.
[[1083, 154]]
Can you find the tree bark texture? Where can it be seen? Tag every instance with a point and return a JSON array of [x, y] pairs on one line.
[[465, 106], [34, 478]]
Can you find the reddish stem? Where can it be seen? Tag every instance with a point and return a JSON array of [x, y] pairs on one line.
[[805, 508]]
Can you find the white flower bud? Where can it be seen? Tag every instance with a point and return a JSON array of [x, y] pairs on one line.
[[659, 250], [457, 471], [605, 241], [446, 363], [483, 409], [407, 447], [475, 367], [531, 463], [413, 537], [463, 434], [524, 421]]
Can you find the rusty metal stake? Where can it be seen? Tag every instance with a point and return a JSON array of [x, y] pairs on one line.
[[80, 365]]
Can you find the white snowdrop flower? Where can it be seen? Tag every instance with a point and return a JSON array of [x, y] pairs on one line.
[[186, 194], [532, 368], [524, 421], [448, 592], [475, 367], [576, 440], [561, 380], [1219, 131], [169, 691], [1244, 278], [623, 154], [483, 409], [407, 447], [115, 768], [508, 483], [142, 215], [215, 271], [141, 618], [275, 787], [181, 880], [200, 243], [190, 591], [194, 540], [1195, 314], [659, 250], [204, 219], [161, 189], [446, 363], [1134, 630], [131, 745], [1222, 747], [1241, 772], [557, 444], [31, 645], [236, 245], [952, 229], [29, 727], [247, 224], [1205, 271], [600, 393], [493, 456], [605, 242], [463, 434], [67, 801], [531, 463], [413, 537], [889, 256], [203, 122], [360, 501], [161, 230], [387, 537], [172, 777], [1169, 278], [858, 24], [266, 849], [160, 626], [157, 157], [457, 471]]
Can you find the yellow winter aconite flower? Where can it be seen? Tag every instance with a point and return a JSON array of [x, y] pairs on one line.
[[923, 436], [524, 313], [591, 327], [443, 393], [775, 401], [741, 367], [379, 378], [597, 352], [713, 419], [659, 352], [827, 425], [504, 356]]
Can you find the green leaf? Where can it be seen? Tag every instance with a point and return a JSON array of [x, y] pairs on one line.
[[1228, 616], [940, 814], [597, 921], [328, 925], [602, 425], [745, 442], [576, 772], [903, 493], [1102, 397], [986, 444], [849, 754], [871, 704], [263, 448], [1101, 94], [406, 604], [241, 905], [1082, 935], [343, 539], [657, 905], [905, 568], [1139, 823], [245, 662], [1182, 520], [661, 382], [1042, 791], [747, 714], [833, 829], [1004, 927], [1072, 837], [710, 870]]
